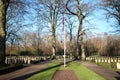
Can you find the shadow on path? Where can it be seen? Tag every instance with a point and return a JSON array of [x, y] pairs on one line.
[[31, 74], [24, 71]]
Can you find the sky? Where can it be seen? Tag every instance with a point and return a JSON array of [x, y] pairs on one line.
[[98, 21]]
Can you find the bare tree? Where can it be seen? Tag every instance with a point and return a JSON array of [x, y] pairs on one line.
[[13, 40], [50, 11], [38, 40], [104, 45], [81, 10], [113, 10], [70, 26], [47, 44], [39, 28], [4, 8]]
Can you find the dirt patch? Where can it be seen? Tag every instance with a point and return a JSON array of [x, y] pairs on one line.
[[65, 75]]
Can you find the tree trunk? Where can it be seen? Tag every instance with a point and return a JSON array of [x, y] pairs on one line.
[[53, 46], [81, 17], [53, 42], [38, 42], [77, 47], [71, 42], [83, 56], [2, 32]]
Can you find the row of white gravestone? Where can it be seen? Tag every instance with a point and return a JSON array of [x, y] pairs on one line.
[[24, 59], [105, 60]]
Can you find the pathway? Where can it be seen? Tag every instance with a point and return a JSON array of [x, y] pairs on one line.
[[24, 73], [65, 75], [106, 73]]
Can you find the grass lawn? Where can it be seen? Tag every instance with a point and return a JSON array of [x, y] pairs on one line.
[[82, 72], [47, 73], [106, 65], [111, 66]]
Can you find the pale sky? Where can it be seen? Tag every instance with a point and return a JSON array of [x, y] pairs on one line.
[[100, 22]]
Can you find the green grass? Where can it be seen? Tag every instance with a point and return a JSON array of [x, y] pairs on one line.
[[6, 67], [105, 65], [82, 72], [111, 66], [47, 73]]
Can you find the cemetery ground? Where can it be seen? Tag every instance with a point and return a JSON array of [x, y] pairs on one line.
[[54, 70], [75, 70]]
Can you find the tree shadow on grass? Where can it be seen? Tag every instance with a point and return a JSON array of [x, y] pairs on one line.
[[118, 77], [31, 74], [118, 72]]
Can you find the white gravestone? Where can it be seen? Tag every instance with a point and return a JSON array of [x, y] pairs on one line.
[[118, 65]]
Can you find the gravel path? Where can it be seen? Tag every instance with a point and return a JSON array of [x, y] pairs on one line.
[[106, 73], [65, 75], [24, 73]]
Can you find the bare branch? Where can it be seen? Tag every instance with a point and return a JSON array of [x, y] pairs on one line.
[[69, 9]]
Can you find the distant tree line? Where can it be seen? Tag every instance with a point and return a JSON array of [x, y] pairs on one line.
[[46, 15], [103, 45]]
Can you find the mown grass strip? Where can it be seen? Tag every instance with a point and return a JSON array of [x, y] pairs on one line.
[[82, 72], [46, 73]]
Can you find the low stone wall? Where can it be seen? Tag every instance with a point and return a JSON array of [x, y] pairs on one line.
[[25, 59], [105, 60]]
